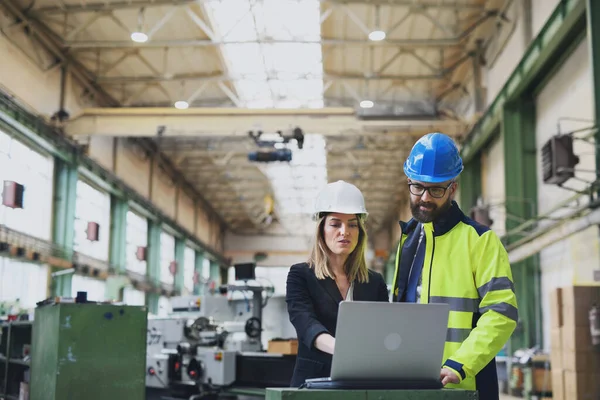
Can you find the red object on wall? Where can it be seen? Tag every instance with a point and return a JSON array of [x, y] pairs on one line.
[[93, 231], [140, 253], [12, 195], [173, 267]]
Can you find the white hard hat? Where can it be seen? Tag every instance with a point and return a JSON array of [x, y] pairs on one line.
[[340, 197]]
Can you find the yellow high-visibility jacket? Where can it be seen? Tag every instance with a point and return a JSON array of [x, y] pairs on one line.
[[466, 266]]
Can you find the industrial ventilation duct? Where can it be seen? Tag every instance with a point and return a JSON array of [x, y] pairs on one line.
[[558, 160]]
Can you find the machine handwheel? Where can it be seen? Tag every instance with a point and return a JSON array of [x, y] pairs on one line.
[[201, 324], [253, 327]]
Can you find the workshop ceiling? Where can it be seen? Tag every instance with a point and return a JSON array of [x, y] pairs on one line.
[[257, 54]]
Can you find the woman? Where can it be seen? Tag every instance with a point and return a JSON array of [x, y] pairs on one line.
[[336, 271]]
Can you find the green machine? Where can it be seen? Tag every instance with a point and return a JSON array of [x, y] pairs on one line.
[[315, 394], [88, 351]]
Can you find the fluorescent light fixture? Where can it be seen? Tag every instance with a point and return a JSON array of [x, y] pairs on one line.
[[366, 104], [377, 36], [139, 37], [181, 104]]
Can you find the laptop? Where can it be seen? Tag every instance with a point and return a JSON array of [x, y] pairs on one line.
[[395, 342]]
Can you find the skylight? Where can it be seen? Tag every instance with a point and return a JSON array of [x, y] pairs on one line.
[[297, 183], [279, 75], [272, 75]]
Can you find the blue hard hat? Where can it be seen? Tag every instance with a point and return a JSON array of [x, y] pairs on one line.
[[433, 159]]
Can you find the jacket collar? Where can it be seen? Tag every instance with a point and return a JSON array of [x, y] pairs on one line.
[[442, 225], [331, 288]]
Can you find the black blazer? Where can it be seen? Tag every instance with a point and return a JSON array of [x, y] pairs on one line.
[[313, 309]]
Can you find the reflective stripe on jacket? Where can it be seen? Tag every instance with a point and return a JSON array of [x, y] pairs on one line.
[[465, 266]]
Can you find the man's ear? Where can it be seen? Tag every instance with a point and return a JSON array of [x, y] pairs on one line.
[[454, 189]]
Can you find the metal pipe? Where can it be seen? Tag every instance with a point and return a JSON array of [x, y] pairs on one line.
[[491, 60], [478, 92], [540, 217], [526, 9], [537, 241], [124, 5], [63, 272]]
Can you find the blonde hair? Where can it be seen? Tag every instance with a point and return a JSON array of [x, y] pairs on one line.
[[356, 264]]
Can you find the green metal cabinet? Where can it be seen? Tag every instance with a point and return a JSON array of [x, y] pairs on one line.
[[313, 394], [88, 351]]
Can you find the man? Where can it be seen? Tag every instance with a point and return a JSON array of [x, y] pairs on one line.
[[445, 257]]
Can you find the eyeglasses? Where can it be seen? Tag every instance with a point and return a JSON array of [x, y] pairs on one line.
[[434, 191]]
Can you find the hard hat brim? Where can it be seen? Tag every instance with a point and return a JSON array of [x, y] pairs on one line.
[[432, 179], [363, 215]]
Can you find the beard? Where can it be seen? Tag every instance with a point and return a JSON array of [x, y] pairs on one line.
[[432, 211]]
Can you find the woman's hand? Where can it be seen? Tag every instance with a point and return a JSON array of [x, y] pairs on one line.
[[325, 342]]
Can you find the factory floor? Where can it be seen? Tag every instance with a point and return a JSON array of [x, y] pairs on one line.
[[508, 397]]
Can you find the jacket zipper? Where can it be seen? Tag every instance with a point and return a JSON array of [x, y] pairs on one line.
[[397, 269], [430, 268]]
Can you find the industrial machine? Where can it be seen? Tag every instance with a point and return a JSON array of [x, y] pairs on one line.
[[200, 347]]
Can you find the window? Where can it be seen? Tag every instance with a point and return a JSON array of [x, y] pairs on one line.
[[188, 271], [95, 288], [133, 297], [205, 269], [92, 206], [22, 281], [137, 235], [34, 171], [167, 254]]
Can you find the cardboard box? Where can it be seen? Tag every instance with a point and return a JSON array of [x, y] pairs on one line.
[[576, 338], [576, 303], [556, 308], [582, 386], [283, 346], [556, 358], [558, 384], [581, 361], [556, 348], [556, 338]]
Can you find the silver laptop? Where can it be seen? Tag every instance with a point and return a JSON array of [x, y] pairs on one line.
[[386, 341]]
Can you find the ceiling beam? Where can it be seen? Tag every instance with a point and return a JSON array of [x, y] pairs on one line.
[[165, 122], [159, 44], [124, 5], [219, 77]]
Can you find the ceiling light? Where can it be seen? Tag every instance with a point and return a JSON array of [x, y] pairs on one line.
[[181, 104], [139, 37], [366, 104], [376, 36]]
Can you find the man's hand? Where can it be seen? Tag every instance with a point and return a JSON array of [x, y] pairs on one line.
[[448, 376]]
